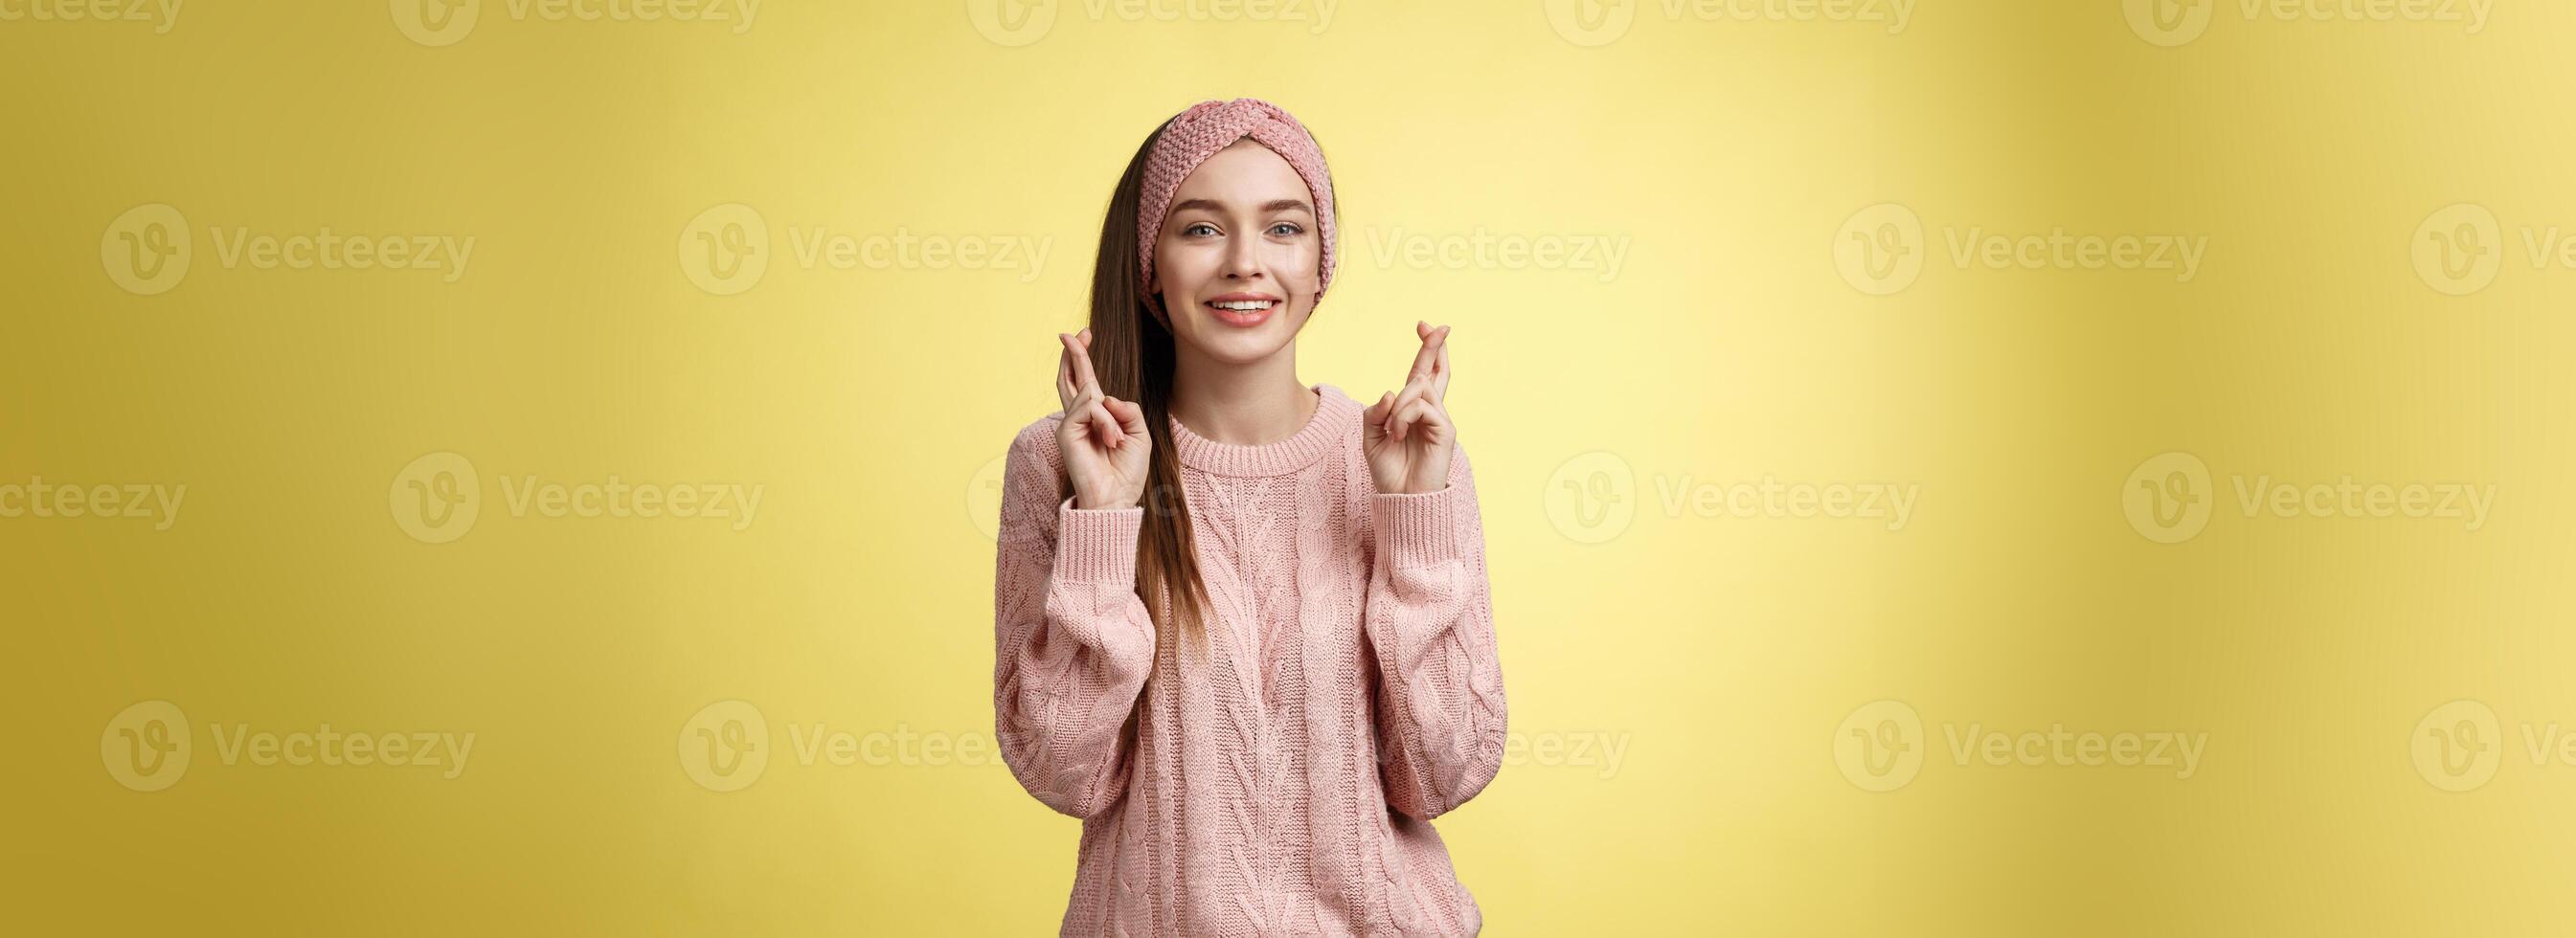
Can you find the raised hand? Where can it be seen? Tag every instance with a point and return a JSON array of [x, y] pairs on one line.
[[1106, 448], [1407, 433]]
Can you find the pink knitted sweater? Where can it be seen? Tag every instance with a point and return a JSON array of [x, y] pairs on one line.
[[1351, 690]]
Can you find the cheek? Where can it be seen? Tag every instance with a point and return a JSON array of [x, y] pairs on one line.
[[1298, 266], [1177, 268]]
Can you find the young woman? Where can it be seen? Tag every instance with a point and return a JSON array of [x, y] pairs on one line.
[[1243, 627]]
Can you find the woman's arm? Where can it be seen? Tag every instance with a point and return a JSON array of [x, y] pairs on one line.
[[1073, 642], [1429, 616]]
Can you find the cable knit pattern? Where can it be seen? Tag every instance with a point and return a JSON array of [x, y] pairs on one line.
[[1209, 126], [1282, 779]]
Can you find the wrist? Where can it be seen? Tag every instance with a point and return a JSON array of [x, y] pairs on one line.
[[1416, 529]]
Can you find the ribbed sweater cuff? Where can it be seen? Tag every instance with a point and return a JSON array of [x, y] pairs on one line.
[[1416, 530], [1097, 545]]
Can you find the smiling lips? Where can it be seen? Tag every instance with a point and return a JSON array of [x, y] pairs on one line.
[[1243, 310]]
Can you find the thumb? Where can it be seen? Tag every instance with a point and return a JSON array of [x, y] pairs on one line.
[[1129, 414]]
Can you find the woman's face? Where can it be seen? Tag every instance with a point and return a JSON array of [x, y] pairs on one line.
[[1238, 258]]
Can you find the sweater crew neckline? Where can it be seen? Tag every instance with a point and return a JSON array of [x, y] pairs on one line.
[[1334, 414]]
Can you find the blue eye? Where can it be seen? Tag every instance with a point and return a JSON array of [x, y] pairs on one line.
[[1292, 231]]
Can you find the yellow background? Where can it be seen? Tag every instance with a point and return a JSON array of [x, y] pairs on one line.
[[871, 404]]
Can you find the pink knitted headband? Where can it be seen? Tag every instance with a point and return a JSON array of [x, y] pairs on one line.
[[1209, 126]]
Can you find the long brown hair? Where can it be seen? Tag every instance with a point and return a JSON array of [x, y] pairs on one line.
[[1131, 352]]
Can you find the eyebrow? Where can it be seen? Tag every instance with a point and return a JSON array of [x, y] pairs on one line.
[[1274, 205]]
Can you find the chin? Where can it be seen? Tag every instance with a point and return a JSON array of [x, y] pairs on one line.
[[1241, 349]]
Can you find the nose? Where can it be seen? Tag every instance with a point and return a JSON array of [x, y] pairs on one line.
[[1243, 259]]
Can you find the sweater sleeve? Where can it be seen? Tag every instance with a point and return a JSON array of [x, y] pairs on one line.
[[1073, 641], [1428, 616]]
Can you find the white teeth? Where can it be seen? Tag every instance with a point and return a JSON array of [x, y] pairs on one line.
[[1242, 305]]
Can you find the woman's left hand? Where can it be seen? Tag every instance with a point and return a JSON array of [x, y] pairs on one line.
[[1407, 433]]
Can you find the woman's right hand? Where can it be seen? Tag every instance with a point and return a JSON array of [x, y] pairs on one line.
[[1107, 451]]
